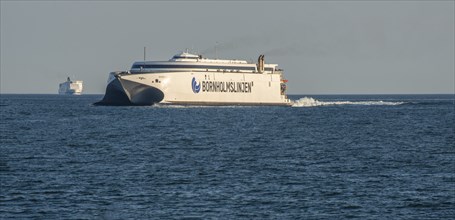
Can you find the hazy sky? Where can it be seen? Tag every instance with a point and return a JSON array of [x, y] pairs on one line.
[[328, 47]]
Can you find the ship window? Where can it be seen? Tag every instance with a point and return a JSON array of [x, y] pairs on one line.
[[164, 66], [156, 80], [181, 57]]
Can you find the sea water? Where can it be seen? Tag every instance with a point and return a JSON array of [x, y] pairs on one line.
[[327, 157]]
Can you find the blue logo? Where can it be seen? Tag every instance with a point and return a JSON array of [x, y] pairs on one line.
[[195, 86]]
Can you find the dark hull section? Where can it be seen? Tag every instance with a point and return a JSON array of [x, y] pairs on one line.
[[125, 92]]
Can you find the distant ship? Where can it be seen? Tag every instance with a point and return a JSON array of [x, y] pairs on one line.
[[190, 79], [70, 87]]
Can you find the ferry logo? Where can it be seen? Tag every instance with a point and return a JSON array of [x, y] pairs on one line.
[[195, 86]]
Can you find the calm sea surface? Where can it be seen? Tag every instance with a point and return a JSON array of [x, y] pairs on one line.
[[329, 157]]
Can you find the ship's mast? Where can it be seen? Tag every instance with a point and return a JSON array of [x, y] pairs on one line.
[[216, 50], [144, 53]]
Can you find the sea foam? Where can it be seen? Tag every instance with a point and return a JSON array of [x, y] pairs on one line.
[[311, 102]]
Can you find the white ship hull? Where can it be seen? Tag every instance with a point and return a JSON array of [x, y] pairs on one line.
[[70, 92], [209, 88], [200, 81]]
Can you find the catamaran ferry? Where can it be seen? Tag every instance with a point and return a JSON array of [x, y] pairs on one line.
[[189, 79]]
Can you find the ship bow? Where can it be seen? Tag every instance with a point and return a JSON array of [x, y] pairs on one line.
[[121, 91]]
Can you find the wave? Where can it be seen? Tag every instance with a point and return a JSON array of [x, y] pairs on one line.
[[311, 102]]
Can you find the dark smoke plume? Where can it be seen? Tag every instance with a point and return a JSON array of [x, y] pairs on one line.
[[292, 50], [236, 43]]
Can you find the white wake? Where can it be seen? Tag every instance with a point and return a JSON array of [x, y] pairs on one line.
[[311, 102]]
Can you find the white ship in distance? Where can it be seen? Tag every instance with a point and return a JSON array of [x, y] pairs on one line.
[[70, 87], [190, 79]]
